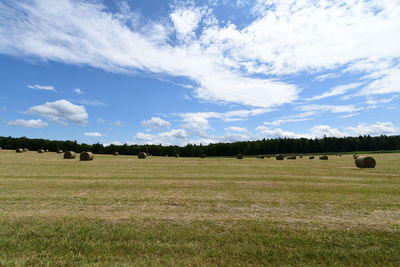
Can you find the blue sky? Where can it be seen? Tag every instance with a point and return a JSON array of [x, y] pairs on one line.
[[178, 72]]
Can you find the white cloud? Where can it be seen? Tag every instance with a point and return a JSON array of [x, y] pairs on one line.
[[316, 131], [83, 33], [100, 121], [236, 129], [338, 90], [277, 133], [326, 130], [29, 123], [61, 111], [115, 143], [197, 124], [305, 116], [42, 87], [186, 20], [163, 136], [316, 36], [174, 134], [78, 91], [330, 108], [379, 101], [144, 136], [234, 115], [116, 123], [155, 123], [379, 128], [90, 102], [93, 134], [387, 81], [326, 76]]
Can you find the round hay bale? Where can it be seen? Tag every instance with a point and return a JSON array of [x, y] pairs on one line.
[[142, 155], [69, 155], [203, 156], [301, 157], [40, 151], [19, 150], [291, 157], [176, 156], [311, 157], [325, 157], [115, 153], [280, 157], [46, 150], [262, 157], [365, 162], [26, 150], [86, 156], [239, 156], [60, 151]]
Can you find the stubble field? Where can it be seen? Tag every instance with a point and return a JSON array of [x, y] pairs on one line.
[[124, 211]]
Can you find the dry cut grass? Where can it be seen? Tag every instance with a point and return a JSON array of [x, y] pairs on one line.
[[190, 211]]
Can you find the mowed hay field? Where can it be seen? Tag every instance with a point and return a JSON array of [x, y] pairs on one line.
[[124, 211]]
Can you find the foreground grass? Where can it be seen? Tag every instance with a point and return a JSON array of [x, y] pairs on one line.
[[178, 211]]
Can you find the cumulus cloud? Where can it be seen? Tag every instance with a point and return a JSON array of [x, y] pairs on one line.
[[379, 128], [93, 134], [61, 111], [277, 132], [29, 123], [163, 137], [42, 87], [326, 130], [174, 134], [115, 143], [144, 137], [155, 123], [196, 124], [318, 131]]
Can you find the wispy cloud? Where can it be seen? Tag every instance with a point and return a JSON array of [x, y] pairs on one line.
[[305, 116], [90, 102], [100, 121], [82, 32], [331, 108], [42, 87], [338, 90], [93, 134]]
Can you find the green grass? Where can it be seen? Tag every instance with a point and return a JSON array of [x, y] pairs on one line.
[[122, 211]]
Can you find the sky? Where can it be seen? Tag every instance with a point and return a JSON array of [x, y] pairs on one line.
[[178, 72]]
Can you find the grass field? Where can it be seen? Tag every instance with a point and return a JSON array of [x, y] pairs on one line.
[[122, 211]]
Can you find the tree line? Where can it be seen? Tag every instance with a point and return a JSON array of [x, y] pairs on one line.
[[260, 147]]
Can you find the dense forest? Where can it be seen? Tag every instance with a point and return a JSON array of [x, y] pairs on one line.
[[261, 147]]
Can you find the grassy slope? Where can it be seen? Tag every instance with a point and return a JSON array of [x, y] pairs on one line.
[[183, 211]]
